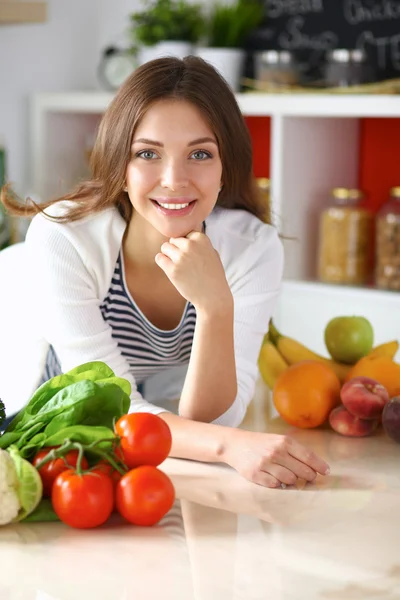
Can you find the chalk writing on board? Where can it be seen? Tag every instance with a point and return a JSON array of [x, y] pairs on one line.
[[387, 49], [294, 38], [281, 8], [310, 28], [357, 12]]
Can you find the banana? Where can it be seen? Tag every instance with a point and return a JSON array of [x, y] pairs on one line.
[[388, 349], [271, 364], [294, 352]]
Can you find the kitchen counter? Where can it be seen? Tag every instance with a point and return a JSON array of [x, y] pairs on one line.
[[229, 539]]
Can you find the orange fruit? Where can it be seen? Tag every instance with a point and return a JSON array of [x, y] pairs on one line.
[[305, 394], [381, 368]]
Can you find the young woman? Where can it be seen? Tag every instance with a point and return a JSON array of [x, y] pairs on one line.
[[163, 259]]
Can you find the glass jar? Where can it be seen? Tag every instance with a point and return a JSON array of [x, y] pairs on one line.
[[387, 269], [276, 68], [264, 184], [345, 239], [345, 67]]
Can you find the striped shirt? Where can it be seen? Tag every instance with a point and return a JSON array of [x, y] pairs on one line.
[[147, 348]]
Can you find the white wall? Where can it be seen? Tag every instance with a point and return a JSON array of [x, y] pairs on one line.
[[61, 54]]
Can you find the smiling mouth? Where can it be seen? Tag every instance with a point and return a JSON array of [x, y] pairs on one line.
[[172, 205]]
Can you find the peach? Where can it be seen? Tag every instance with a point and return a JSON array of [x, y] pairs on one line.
[[364, 397], [343, 422], [391, 418]]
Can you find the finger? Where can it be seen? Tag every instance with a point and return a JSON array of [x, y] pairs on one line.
[[194, 235], [298, 468], [282, 474], [185, 242], [163, 262], [171, 251], [266, 480], [182, 243], [308, 457]]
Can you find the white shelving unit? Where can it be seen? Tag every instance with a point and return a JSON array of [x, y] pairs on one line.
[[314, 147]]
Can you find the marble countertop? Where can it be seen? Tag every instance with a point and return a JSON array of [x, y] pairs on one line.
[[229, 539]]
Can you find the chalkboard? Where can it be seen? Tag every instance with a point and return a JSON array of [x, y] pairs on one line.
[[309, 28]]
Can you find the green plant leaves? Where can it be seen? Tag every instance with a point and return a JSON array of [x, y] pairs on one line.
[[44, 512], [227, 25], [85, 403], [168, 20], [83, 434], [81, 405], [99, 369]]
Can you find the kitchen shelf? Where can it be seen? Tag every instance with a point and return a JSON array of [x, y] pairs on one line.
[[14, 12], [305, 307], [251, 104], [320, 105], [312, 144]]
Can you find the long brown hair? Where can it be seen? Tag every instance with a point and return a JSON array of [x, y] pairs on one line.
[[190, 79]]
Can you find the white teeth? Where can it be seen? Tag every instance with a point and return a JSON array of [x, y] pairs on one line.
[[174, 206]]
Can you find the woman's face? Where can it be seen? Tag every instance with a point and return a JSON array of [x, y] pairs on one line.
[[174, 175]]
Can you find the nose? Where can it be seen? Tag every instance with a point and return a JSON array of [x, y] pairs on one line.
[[174, 175]]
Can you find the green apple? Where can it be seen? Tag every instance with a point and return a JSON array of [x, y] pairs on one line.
[[349, 338]]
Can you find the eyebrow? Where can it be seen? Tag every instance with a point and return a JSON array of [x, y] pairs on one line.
[[202, 140]]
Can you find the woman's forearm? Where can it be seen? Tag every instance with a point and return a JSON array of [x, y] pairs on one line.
[[204, 442], [210, 385], [264, 458]]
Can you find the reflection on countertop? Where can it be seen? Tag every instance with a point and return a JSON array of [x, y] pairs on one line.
[[229, 539]]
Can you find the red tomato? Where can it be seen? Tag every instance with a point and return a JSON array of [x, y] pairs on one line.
[[50, 471], [83, 501], [104, 467], [144, 495], [145, 439]]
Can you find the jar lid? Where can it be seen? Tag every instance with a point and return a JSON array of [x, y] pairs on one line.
[[285, 57], [270, 57], [355, 193], [340, 55], [395, 192], [263, 182], [273, 57], [341, 193], [358, 55]]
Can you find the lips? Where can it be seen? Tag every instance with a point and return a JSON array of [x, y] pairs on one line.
[[171, 212], [180, 200]]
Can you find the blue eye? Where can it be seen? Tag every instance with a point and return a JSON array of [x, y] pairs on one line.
[[201, 155], [146, 154]]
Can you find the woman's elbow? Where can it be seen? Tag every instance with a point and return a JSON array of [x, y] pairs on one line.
[[194, 414], [205, 414]]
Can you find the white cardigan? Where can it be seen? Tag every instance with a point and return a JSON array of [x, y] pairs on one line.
[[70, 267]]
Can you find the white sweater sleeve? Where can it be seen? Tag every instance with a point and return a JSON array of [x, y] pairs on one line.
[[66, 305], [255, 290]]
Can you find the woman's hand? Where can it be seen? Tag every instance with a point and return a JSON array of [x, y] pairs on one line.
[[270, 459], [195, 269]]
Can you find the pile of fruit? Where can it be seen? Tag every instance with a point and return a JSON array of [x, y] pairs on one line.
[[354, 389], [74, 454]]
